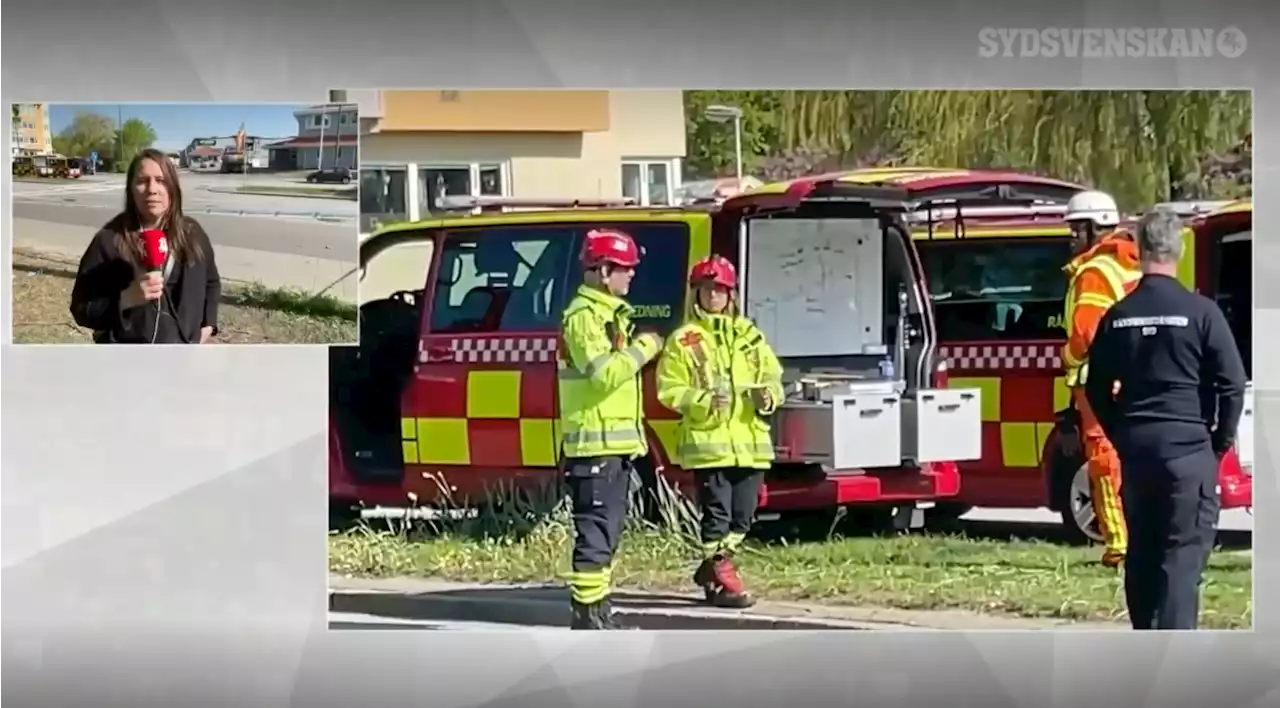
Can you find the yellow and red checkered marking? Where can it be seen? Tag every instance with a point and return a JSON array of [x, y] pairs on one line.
[[967, 357], [491, 402], [533, 349]]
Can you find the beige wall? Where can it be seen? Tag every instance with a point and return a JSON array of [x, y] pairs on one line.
[[37, 116], [509, 111], [644, 124], [539, 164], [648, 123]]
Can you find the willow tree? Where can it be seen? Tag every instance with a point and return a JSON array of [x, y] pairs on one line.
[[1143, 146]]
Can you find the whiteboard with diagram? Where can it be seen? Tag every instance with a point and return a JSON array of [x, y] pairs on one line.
[[815, 287]]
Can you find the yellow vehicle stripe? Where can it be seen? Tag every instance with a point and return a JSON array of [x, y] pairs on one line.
[[409, 440], [538, 446], [1019, 444], [1187, 266], [1061, 393], [443, 441], [990, 388], [493, 394]]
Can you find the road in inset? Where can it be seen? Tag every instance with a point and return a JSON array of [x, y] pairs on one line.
[[306, 243], [202, 193]]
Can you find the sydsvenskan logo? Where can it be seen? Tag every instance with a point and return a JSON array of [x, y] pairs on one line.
[[1111, 43]]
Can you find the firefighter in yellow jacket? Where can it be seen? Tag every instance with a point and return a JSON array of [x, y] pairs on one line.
[[1104, 269], [718, 372], [600, 358]]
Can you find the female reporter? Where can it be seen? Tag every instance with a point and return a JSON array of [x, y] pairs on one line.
[[116, 296], [722, 377]]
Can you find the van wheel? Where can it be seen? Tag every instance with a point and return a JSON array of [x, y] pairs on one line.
[[1077, 511]]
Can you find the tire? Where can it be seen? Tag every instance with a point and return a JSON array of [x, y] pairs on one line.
[[346, 180], [1078, 516]]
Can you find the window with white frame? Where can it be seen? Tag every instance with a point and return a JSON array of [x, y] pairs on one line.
[[384, 195], [476, 179], [651, 182]]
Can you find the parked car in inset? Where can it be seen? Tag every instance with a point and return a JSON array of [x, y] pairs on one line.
[[330, 176]]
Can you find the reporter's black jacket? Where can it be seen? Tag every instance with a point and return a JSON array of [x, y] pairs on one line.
[[192, 292]]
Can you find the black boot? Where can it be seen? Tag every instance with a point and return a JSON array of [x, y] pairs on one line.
[[597, 615]]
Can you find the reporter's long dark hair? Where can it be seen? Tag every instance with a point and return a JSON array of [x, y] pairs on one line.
[[128, 223]]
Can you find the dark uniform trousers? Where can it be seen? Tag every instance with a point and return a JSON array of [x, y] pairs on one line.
[[1171, 508], [599, 488], [728, 498]]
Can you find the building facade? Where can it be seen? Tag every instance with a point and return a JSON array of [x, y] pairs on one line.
[[31, 133], [328, 137], [418, 146]]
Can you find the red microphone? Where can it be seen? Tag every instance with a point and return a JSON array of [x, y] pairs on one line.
[[156, 249]]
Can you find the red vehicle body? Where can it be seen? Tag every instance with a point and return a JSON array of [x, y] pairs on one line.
[[1004, 334], [432, 406]]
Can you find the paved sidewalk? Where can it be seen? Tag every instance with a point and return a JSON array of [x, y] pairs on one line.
[[547, 605]]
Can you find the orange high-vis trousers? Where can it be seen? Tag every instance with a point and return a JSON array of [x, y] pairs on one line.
[[1104, 480]]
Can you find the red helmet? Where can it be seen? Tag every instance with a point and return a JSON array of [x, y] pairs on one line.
[[609, 246], [716, 269]]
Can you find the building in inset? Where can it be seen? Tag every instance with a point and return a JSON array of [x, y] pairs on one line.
[[328, 137], [417, 146], [31, 134]]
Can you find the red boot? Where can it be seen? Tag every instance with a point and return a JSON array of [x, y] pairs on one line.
[[721, 583]]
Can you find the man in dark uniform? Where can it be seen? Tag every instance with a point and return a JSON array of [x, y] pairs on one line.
[[1167, 384]]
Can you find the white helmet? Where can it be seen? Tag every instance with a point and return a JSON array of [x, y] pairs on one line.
[[1097, 207]]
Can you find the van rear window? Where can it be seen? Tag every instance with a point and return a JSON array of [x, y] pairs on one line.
[[997, 289]]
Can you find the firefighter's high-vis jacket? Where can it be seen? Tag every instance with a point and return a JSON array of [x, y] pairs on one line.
[[601, 404], [729, 354], [1097, 279]]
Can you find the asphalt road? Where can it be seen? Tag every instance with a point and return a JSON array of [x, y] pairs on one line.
[[107, 192], [347, 620], [309, 238]]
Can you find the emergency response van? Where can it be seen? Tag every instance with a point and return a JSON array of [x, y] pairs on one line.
[[452, 390], [998, 288]]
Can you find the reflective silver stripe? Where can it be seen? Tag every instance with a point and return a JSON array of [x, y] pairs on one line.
[[596, 364], [637, 355], [602, 437]]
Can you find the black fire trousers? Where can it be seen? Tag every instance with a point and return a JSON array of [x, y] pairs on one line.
[[728, 498]]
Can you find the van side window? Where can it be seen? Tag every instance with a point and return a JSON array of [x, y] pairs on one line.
[[502, 279], [659, 288], [1234, 292], [997, 289]]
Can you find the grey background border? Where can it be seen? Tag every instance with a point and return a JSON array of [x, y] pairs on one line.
[[133, 574]]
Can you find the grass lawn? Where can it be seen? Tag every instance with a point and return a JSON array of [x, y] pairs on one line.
[[250, 313], [919, 571]]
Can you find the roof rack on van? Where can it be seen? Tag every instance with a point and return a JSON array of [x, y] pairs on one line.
[[938, 214], [992, 201], [492, 204]]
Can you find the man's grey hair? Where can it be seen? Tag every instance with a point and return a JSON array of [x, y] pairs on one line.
[[1160, 237]]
